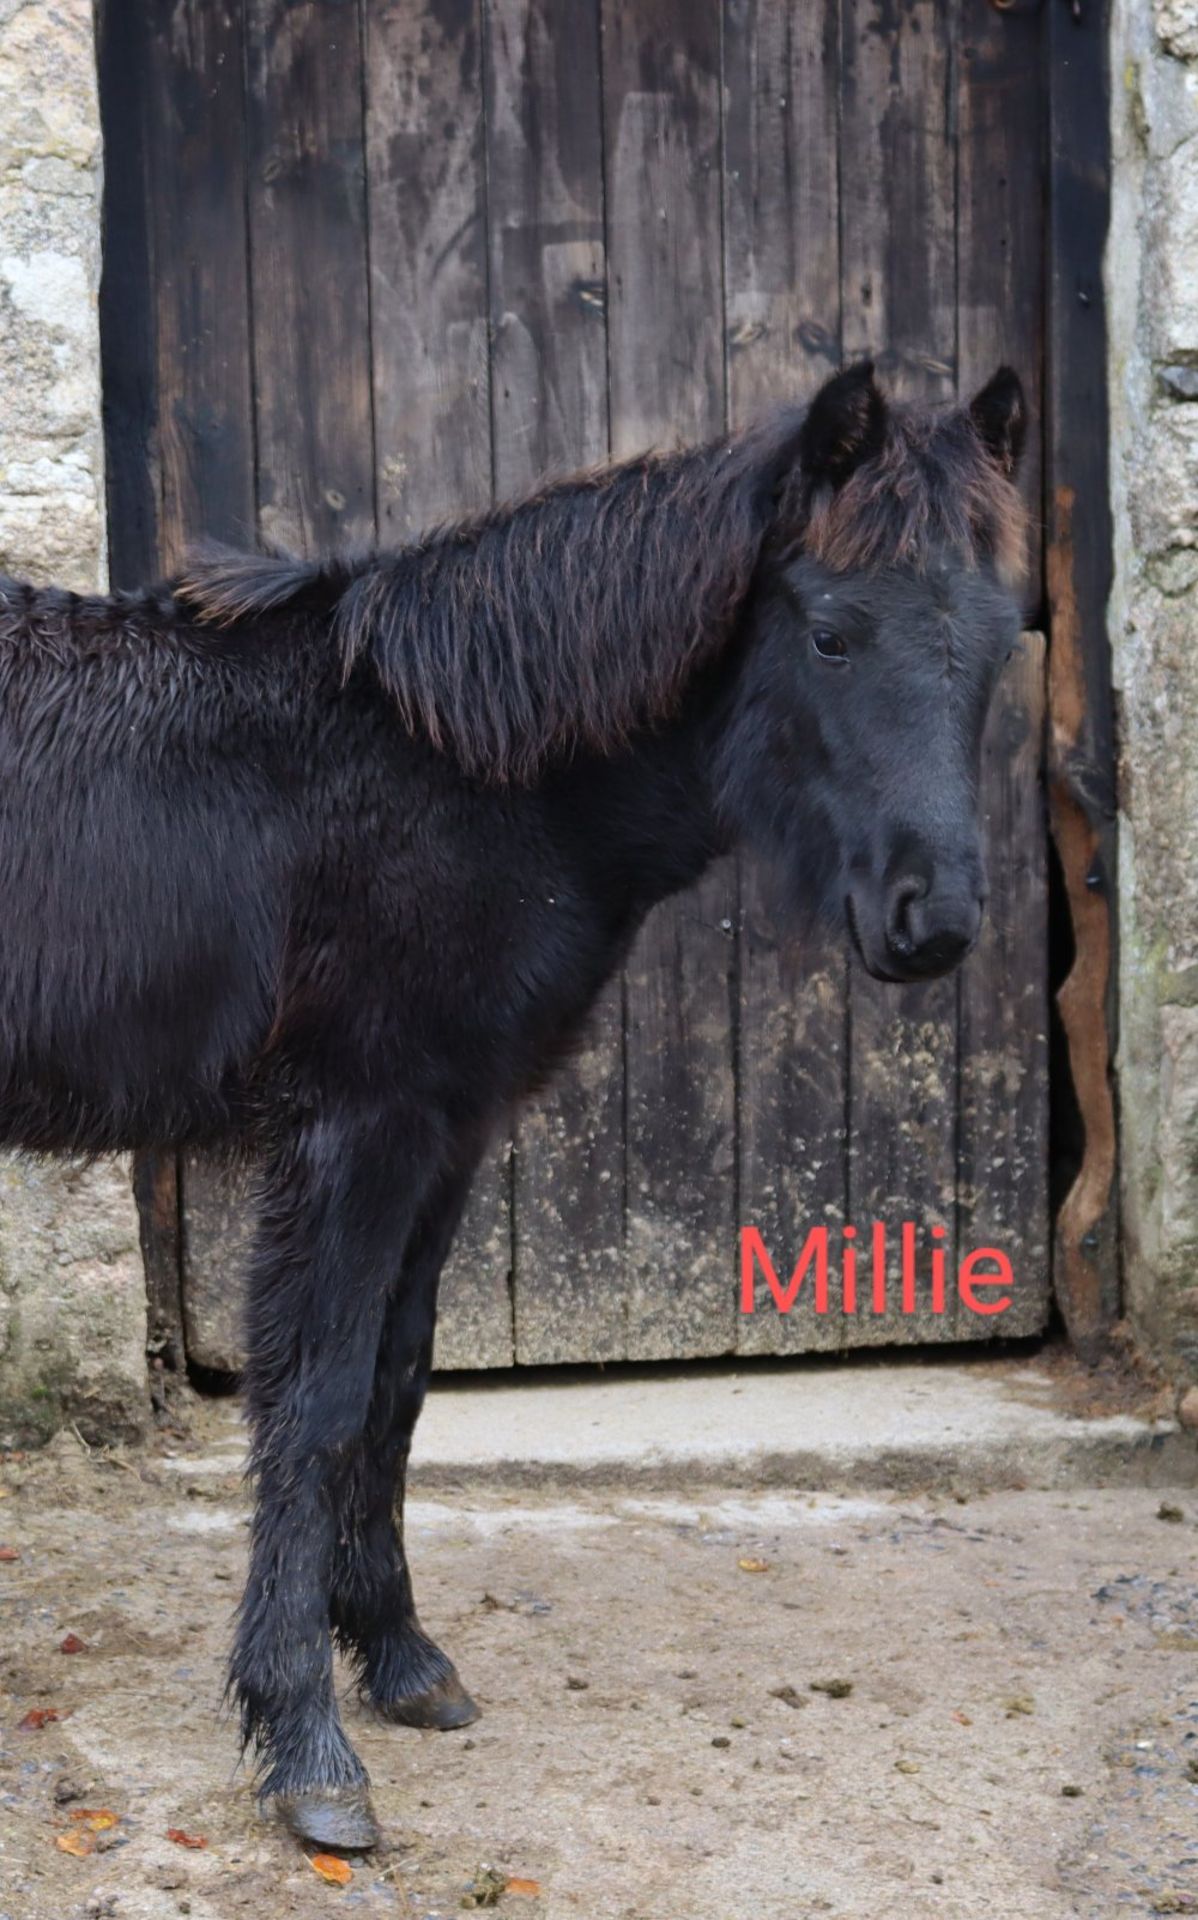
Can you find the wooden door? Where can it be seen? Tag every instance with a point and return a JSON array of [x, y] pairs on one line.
[[374, 262]]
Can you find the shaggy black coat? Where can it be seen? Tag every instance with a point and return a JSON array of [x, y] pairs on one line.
[[327, 863]]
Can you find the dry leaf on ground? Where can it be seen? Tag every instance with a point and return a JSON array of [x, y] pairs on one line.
[[38, 1717], [79, 1842], [337, 1872]]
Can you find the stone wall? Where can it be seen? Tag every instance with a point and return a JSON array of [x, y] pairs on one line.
[[1152, 272], [72, 1293]]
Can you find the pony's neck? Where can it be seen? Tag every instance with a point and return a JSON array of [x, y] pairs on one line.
[[644, 821]]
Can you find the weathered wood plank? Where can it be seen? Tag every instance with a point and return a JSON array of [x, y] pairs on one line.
[[428, 261], [426, 169], [1002, 1146], [547, 279], [1081, 738], [898, 194], [897, 185], [126, 307], [1001, 100], [781, 217], [205, 387], [782, 289], [311, 307], [193, 132], [549, 387], [130, 403], [1002, 1139], [266, 416], [206, 462], [665, 345]]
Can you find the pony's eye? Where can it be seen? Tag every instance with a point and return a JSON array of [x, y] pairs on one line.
[[828, 645]]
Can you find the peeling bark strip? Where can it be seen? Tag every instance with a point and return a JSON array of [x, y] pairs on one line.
[[1077, 810]]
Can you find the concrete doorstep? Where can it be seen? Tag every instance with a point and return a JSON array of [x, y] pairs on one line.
[[965, 1425]]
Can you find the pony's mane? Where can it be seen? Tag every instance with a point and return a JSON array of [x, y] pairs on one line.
[[931, 488], [581, 614]]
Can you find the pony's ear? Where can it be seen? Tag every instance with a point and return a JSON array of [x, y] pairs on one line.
[[845, 425], [999, 415]]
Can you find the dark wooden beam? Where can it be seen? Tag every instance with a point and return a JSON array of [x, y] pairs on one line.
[[1081, 739]]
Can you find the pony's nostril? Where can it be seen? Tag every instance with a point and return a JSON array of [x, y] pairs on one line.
[[900, 927]]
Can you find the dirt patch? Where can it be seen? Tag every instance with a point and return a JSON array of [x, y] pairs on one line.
[[744, 1705]]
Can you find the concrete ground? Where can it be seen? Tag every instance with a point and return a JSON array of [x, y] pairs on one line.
[[705, 1693]]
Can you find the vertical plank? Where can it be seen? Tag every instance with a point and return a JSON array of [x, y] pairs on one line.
[[310, 301], [205, 453], [549, 387], [205, 392], [263, 376], [898, 219], [265, 411], [1001, 100], [782, 291], [126, 304], [428, 261], [547, 270], [1002, 1178], [1081, 733], [426, 171], [898, 194], [1003, 1122], [665, 344], [130, 403], [781, 215]]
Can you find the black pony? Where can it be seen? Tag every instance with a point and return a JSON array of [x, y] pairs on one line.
[[327, 863]]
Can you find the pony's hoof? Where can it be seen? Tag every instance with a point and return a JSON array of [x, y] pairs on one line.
[[444, 1706], [340, 1817]]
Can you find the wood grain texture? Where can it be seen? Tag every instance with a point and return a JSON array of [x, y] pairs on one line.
[[1002, 1137], [426, 161], [308, 268], [782, 286], [428, 261], [1001, 219], [548, 299], [204, 373], [661, 78], [196, 179], [897, 187]]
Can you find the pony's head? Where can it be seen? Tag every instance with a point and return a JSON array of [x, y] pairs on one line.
[[882, 612]]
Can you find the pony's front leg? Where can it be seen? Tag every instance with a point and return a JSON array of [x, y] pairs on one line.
[[340, 1201], [403, 1673]]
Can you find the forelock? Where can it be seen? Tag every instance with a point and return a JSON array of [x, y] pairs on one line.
[[933, 487]]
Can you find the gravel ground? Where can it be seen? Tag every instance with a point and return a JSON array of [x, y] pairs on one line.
[[743, 1705]]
